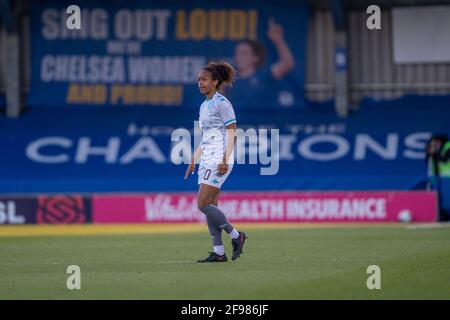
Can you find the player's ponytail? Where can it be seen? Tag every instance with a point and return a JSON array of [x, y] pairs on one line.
[[221, 71]]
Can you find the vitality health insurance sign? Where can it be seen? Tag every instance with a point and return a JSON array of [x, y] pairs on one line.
[[382, 206]]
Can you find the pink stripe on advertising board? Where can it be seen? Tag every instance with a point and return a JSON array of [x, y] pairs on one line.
[[345, 206]]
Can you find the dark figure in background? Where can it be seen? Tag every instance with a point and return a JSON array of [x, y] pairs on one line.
[[438, 149], [438, 159]]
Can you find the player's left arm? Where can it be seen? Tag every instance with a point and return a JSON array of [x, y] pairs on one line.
[[231, 139], [229, 121]]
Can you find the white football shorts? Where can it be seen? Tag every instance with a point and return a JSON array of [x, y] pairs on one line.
[[210, 176]]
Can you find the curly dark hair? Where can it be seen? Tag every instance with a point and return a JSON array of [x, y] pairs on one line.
[[221, 71]]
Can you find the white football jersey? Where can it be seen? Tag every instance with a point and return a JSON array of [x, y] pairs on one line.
[[215, 114]]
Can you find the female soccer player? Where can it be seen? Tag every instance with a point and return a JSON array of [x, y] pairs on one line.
[[218, 125]]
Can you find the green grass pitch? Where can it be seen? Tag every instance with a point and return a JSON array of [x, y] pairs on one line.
[[299, 263]]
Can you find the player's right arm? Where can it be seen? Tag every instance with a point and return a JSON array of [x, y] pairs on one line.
[[195, 157]]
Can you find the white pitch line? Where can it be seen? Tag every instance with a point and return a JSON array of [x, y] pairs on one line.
[[429, 226]]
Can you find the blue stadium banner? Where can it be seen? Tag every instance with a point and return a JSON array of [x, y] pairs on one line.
[[129, 149], [149, 53]]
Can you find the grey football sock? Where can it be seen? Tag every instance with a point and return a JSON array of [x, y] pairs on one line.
[[214, 231], [218, 217]]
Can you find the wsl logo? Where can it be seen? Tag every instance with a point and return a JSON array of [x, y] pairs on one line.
[[61, 209]]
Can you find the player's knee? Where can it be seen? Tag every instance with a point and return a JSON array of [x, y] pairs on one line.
[[202, 203]]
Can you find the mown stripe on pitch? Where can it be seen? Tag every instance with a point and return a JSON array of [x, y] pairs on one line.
[[110, 229], [63, 230]]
